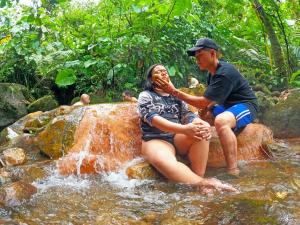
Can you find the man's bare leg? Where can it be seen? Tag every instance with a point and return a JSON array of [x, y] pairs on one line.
[[224, 123]]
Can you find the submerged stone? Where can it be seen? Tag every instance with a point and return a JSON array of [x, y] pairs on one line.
[[15, 193]]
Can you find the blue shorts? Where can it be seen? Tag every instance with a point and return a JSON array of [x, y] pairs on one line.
[[240, 111]]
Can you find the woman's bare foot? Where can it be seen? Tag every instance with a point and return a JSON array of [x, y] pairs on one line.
[[208, 185]]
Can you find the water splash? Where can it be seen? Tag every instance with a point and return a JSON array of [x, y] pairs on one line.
[[56, 180], [120, 180]]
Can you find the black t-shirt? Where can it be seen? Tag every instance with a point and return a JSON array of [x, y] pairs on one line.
[[228, 87]]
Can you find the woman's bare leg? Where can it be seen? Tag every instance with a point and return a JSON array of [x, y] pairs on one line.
[[197, 152], [161, 155]]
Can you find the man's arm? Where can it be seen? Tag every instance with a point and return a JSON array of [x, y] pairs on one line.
[[197, 101], [200, 102]]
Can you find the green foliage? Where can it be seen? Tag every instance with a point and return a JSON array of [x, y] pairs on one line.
[[65, 77], [295, 79], [105, 48]]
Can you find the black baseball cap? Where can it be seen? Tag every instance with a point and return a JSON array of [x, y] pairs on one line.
[[202, 43]]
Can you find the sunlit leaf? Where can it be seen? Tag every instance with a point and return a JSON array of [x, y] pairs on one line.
[[65, 77]]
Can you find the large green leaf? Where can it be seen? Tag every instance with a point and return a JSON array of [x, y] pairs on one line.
[[65, 77], [180, 6]]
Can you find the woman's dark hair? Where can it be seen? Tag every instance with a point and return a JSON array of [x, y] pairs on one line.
[[148, 85]]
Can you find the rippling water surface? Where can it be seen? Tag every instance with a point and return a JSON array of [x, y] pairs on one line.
[[269, 194]]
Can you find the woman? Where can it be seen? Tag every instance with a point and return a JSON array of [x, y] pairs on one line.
[[169, 128]]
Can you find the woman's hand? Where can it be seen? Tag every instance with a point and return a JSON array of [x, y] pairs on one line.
[[195, 131], [203, 128]]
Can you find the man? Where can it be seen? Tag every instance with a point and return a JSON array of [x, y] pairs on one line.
[[84, 100], [228, 97], [127, 97]]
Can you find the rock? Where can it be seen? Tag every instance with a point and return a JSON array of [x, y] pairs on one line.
[[261, 87], [252, 145], [14, 156], [99, 138], [57, 136], [15, 193], [9, 135], [283, 118], [13, 100], [143, 170], [45, 103], [265, 102], [107, 136], [5, 177]]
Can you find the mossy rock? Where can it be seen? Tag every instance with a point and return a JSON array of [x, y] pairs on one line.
[[13, 101], [283, 117], [45, 103], [143, 170], [58, 136]]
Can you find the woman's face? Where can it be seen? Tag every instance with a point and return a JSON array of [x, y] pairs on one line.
[[160, 72]]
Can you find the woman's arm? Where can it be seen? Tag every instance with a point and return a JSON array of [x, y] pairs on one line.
[[191, 129]]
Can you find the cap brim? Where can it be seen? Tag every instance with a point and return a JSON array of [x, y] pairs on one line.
[[192, 51]]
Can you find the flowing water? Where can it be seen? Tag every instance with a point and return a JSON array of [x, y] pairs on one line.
[[269, 194]]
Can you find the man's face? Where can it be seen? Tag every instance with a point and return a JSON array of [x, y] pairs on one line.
[[204, 58]]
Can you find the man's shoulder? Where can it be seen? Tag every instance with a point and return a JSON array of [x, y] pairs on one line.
[[226, 67], [228, 70]]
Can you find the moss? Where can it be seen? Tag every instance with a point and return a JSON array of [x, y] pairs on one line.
[[45, 103]]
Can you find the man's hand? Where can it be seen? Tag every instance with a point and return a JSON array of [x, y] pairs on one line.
[[167, 87]]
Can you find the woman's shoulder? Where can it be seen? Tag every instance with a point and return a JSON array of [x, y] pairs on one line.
[[145, 96]]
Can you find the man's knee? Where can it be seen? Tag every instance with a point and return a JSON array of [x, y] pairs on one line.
[[224, 120]]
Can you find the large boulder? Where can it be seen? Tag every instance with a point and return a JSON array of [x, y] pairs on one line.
[[97, 138], [13, 101], [106, 142], [283, 118]]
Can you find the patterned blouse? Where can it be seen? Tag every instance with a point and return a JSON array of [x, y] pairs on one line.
[[151, 104]]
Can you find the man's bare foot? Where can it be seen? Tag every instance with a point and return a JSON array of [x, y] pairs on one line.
[[234, 172]]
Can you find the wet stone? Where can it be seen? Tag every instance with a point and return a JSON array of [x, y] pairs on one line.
[[15, 193], [5, 177], [14, 156]]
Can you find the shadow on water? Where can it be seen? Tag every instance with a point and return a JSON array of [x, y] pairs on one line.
[[269, 194]]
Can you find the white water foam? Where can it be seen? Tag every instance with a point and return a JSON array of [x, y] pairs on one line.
[[120, 180], [55, 180]]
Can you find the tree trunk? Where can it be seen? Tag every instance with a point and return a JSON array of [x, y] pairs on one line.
[[278, 59]]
